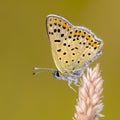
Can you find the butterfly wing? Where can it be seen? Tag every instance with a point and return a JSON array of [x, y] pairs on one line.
[[72, 46], [58, 29], [85, 47]]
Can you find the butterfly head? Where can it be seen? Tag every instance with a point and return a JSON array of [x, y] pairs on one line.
[[59, 75], [68, 76]]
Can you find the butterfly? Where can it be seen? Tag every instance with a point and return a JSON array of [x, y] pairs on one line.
[[73, 48]]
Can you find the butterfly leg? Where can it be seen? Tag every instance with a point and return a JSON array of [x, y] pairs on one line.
[[69, 84], [76, 82]]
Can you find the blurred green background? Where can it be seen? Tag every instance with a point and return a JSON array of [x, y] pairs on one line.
[[24, 44]]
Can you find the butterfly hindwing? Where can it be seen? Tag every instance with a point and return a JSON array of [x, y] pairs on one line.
[[86, 46]]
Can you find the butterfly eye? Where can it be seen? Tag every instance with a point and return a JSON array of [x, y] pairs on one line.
[[57, 74]]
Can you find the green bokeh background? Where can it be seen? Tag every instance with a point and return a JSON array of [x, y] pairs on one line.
[[24, 44]]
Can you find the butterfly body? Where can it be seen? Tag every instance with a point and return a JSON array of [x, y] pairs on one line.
[[73, 47]]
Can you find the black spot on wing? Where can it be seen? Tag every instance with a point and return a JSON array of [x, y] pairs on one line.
[[58, 50], [62, 35], [57, 40]]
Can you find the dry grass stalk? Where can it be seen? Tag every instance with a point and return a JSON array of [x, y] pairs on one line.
[[89, 103]]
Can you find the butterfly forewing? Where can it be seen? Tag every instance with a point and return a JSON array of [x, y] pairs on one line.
[[58, 29]]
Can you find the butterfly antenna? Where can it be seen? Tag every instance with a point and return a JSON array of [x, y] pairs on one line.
[[38, 70]]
